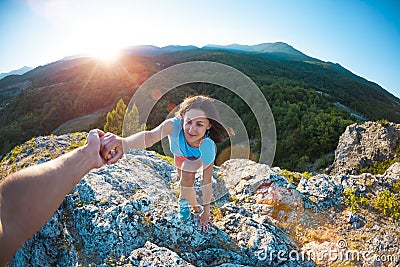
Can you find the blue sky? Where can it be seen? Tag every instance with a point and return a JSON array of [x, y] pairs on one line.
[[362, 36]]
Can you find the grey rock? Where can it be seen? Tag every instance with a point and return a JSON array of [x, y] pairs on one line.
[[324, 190], [44, 159], [351, 217], [127, 214], [362, 145], [355, 220], [153, 255]]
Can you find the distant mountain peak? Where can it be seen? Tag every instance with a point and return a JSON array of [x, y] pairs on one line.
[[265, 47], [20, 71], [152, 50], [276, 50]]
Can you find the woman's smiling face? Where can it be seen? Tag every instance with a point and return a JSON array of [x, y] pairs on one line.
[[195, 125]]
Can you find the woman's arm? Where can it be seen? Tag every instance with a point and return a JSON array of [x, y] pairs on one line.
[[145, 139], [140, 140], [30, 196]]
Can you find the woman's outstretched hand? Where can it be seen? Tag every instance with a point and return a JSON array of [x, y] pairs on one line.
[[204, 221], [111, 148]]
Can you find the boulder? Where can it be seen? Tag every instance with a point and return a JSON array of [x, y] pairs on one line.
[[362, 145]]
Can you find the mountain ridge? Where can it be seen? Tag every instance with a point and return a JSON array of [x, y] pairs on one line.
[[152, 50], [20, 71], [277, 50]]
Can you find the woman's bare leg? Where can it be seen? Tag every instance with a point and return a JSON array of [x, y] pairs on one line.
[[187, 175]]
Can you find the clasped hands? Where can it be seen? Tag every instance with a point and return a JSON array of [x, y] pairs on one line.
[[103, 148]]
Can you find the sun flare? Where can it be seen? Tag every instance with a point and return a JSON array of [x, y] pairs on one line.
[[105, 54]]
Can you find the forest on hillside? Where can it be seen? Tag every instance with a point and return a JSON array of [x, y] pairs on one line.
[[301, 96], [308, 127]]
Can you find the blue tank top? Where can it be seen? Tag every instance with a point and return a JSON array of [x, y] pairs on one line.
[[180, 147]]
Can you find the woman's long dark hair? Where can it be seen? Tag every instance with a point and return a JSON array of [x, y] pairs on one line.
[[218, 132]]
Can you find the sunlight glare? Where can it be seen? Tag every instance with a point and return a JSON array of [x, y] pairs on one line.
[[105, 54]]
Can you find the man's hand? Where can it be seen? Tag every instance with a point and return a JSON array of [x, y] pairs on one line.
[[103, 148], [94, 146], [30, 196]]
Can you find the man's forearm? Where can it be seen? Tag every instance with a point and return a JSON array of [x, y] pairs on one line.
[[30, 196]]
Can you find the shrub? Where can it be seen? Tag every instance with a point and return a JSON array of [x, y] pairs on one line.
[[115, 118], [354, 200], [234, 199], [293, 177], [216, 213], [396, 187], [307, 175], [388, 203], [12, 159], [383, 122], [168, 159], [379, 167]]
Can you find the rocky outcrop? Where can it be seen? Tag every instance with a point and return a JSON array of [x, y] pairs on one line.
[[361, 145], [126, 214]]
